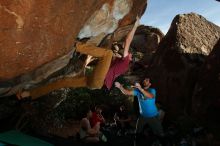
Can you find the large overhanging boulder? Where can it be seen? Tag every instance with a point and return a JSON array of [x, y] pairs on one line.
[[35, 32], [180, 55], [38, 36]]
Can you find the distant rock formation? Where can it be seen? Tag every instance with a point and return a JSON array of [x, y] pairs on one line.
[[176, 63], [144, 45], [37, 37], [146, 41]]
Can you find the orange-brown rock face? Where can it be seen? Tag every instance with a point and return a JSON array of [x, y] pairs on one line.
[[36, 34]]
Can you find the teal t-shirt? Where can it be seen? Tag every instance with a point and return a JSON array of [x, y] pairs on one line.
[[147, 105]]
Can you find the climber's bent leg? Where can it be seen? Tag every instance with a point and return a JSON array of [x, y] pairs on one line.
[[96, 79]]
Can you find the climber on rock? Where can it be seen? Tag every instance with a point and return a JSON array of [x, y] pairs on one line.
[[120, 65], [105, 72]]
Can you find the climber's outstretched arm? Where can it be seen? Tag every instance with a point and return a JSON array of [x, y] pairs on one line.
[[130, 36]]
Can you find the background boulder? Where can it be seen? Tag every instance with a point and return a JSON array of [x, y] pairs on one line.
[[181, 53], [205, 100]]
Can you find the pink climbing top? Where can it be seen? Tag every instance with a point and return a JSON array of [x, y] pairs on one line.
[[118, 67]]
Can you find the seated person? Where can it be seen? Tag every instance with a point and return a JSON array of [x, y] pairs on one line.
[[97, 119], [88, 134]]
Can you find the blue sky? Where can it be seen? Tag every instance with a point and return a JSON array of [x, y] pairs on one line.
[[160, 13]]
